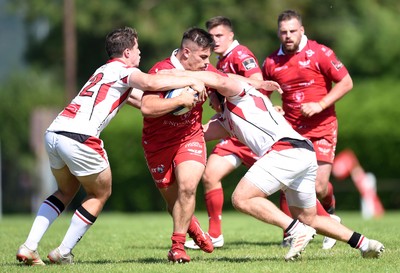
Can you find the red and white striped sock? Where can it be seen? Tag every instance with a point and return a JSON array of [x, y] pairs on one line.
[[48, 212], [81, 221]]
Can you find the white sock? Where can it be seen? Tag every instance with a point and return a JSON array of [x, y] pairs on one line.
[[78, 227], [46, 215], [295, 227], [364, 244]]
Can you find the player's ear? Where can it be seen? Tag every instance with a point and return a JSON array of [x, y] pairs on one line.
[[126, 52], [186, 52]]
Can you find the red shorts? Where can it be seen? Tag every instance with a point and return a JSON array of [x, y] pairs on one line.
[[162, 164], [324, 139], [230, 146]]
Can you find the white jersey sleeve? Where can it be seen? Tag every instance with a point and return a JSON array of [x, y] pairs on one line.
[[98, 101], [251, 118]]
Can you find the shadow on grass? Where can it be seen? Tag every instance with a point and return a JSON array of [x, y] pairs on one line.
[[227, 245], [210, 259]]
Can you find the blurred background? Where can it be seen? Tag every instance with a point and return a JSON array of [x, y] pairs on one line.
[[49, 48]]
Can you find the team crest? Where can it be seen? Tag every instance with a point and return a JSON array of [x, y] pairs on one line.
[[298, 96], [249, 63]]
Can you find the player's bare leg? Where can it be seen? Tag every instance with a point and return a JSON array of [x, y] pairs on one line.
[[331, 228], [216, 169], [181, 200], [324, 188], [98, 190], [52, 207], [249, 199]]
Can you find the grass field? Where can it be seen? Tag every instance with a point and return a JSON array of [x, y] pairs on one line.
[[140, 242]]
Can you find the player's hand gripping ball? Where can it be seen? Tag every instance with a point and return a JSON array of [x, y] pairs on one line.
[[176, 92]]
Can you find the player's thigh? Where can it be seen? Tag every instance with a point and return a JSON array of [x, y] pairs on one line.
[[68, 185], [188, 174], [98, 184], [218, 167], [246, 190], [323, 174]]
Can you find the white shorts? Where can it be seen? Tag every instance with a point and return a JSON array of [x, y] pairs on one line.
[[292, 170], [82, 158], [234, 160]]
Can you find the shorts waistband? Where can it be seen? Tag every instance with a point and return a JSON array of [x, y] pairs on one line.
[[77, 137], [287, 143]]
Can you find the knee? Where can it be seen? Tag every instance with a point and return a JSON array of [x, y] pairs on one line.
[[237, 201], [104, 194], [320, 189], [209, 180], [187, 191]]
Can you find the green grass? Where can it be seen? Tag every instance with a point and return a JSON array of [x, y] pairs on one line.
[[140, 242]]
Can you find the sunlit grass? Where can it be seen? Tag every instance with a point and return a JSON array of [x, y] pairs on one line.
[[140, 242]]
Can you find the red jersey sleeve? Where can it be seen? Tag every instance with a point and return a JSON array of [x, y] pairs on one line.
[[330, 65], [239, 61]]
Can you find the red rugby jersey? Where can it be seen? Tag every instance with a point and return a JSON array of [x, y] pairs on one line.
[[239, 60], [306, 76], [169, 130]]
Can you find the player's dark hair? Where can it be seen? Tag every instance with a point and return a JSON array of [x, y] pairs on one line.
[[289, 14], [218, 21], [198, 36], [120, 39]]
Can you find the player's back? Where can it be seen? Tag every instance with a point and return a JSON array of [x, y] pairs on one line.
[[254, 121], [97, 102]]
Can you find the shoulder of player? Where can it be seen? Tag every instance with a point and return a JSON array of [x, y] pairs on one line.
[[164, 64], [242, 52], [271, 59], [319, 48]]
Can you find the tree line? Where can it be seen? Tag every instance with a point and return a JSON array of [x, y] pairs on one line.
[[362, 33]]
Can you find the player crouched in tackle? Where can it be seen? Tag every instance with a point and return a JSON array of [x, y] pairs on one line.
[[251, 117]]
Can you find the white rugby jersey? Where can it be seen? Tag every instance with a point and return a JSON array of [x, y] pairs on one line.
[[251, 118], [97, 102]]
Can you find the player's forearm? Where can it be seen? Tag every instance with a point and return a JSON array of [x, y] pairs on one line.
[[337, 92]]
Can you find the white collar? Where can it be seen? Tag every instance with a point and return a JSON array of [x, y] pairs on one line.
[[303, 43], [175, 61], [234, 44]]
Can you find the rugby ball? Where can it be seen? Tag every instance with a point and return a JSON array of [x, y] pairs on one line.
[[176, 92]]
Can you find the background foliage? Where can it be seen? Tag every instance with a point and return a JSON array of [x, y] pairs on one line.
[[362, 33]]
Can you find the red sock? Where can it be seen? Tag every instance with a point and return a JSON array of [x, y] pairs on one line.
[[284, 207], [329, 200], [214, 202], [320, 209], [178, 240]]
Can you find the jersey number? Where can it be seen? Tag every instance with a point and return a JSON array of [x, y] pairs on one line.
[[93, 81]]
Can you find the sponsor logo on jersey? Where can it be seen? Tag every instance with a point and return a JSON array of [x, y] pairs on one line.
[[195, 152], [194, 144], [337, 64], [276, 69], [70, 111], [304, 64], [163, 180], [249, 63], [309, 53]]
